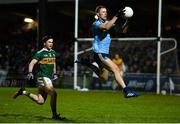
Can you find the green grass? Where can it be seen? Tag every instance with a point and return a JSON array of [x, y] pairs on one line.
[[93, 106]]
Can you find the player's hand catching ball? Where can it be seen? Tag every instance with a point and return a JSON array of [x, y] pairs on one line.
[[120, 13]]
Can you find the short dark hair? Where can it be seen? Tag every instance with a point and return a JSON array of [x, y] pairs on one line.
[[46, 37], [98, 8]]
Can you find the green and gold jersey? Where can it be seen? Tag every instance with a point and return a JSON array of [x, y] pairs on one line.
[[46, 62]]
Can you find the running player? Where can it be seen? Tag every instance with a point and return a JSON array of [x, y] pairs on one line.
[[46, 60], [101, 45]]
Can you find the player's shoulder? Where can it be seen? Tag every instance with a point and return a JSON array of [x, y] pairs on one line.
[[44, 50], [38, 54], [53, 51], [96, 22], [40, 51]]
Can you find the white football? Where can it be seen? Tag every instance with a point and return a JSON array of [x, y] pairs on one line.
[[163, 92], [128, 12]]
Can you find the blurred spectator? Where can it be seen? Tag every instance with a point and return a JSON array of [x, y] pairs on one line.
[[118, 60], [3, 74]]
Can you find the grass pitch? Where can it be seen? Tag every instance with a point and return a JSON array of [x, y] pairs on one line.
[[92, 106]]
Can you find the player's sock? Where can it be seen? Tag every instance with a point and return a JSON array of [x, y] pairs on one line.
[[54, 112], [57, 116], [18, 93], [125, 89]]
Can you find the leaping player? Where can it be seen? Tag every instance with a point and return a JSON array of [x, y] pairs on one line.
[[101, 45]]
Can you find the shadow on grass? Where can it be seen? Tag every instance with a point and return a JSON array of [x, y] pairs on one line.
[[9, 118], [42, 119], [10, 115], [66, 120]]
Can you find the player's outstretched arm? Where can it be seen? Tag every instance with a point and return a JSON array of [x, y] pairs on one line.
[[111, 22], [120, 13], [31, 65], [30, 75]]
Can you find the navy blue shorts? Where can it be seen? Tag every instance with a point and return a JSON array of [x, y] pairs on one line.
[[99, 58]]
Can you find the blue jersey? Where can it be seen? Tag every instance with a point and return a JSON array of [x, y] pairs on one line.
[[102, 39]]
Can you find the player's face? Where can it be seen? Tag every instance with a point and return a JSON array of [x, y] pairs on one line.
[[116, 56], [102, 13], [48, 44]]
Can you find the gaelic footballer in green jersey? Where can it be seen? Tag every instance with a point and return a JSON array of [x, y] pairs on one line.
[[46, 60]]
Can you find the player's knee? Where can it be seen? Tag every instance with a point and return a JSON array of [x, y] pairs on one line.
[[104, 78], [117, 69], [53, 93], [41, 101]]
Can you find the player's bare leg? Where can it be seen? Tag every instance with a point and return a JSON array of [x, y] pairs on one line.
[[90, 65], [53, 97], [40, 98], [18, 93], [113, 67], [103, 74], [53, 100]]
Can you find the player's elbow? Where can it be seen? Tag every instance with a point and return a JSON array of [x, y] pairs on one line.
[[104, 78], [33, 62], [105, 27]]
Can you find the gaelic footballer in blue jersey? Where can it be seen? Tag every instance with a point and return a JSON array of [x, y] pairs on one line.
[[101, 45]]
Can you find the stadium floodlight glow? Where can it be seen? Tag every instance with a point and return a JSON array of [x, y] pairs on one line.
[[28, 20]]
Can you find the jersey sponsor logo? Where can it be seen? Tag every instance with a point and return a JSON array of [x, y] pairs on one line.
[[47, 61]]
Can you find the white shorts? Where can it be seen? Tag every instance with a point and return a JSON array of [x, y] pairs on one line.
[[44, 81]]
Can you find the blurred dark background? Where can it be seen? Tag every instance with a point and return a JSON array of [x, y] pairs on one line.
[[19, 39]]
